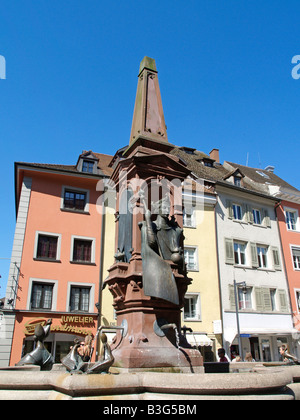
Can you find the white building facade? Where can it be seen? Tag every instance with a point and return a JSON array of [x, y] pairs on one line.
[[249, 250]]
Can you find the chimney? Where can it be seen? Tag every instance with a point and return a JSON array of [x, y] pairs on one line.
[[214, 154]]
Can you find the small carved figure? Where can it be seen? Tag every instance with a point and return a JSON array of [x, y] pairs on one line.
[[40, 355]]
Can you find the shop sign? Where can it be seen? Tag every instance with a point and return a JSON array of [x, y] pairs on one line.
[[68, 324]]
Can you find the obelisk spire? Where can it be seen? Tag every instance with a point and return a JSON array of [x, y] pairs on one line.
[[148, 116]]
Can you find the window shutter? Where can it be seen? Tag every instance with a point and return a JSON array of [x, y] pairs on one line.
[[250, 215], [229, 209], [232, 298], [266, 299], [276, 258], [254, 256], [259, 299], [283, 301], [245, 212], [267, 220], [229, 252]]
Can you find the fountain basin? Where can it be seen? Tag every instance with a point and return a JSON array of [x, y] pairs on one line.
[[260, 383]]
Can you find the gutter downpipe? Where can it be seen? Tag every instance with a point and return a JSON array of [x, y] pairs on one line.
[[102, 243]]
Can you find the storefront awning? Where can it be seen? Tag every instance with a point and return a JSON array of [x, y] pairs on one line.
[[231, 334], [197, 339]]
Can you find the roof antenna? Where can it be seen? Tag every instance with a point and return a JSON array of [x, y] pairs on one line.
[[259, 161], [247, 161]]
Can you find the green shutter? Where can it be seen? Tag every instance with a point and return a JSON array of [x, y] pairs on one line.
[[254, 256], [232, 298], [276, 258], [259, 299], [284, 307], [250, 215], [266, 299], [229, 251], [229, 209], [267, 220]]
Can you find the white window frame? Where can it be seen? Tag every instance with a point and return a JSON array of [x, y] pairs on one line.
[[257, 212], [36, 241], [77, 190], [235, 211], [240, 243], [296, 248], [245, 304], [297, 223], [191, 217], [196, 264], [91, 286], [297, 300], [198, 315], [259, 248], [83, 238], [33, 280]]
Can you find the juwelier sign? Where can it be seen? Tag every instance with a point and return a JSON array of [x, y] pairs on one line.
[[67, 324]]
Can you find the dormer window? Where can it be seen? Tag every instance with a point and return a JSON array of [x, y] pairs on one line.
[[88, 166], [88, 163]]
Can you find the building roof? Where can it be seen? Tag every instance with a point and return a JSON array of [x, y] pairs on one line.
[[262, 177], [102, 165]]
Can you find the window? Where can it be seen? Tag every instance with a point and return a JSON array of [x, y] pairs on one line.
[[192, 309], [82, 251], [237, 212], [74, 200], [262, 256], [41, 296], [256, 216], [80, 299], [296, 257], [244, 295], [273, 299], [190, 256], [237, 181], [298, 299], [239, 253], [189, 217], [87, 166], [46, 247], [291, 219]]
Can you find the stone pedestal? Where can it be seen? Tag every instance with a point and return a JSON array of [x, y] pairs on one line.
[[151, 337]]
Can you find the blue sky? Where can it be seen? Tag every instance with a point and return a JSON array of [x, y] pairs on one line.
[[71, 76]]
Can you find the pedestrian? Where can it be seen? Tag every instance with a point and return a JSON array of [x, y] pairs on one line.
[[222, 357], [248, 357]]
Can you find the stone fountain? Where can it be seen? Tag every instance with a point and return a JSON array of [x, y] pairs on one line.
[[149, 280]]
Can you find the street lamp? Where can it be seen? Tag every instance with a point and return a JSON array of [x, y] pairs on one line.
[[244, 290]]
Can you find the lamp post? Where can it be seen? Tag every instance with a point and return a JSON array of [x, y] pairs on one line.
[[244, 290]]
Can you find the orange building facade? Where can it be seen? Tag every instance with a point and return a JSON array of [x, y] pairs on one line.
[[56, 261], [288, 214]]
